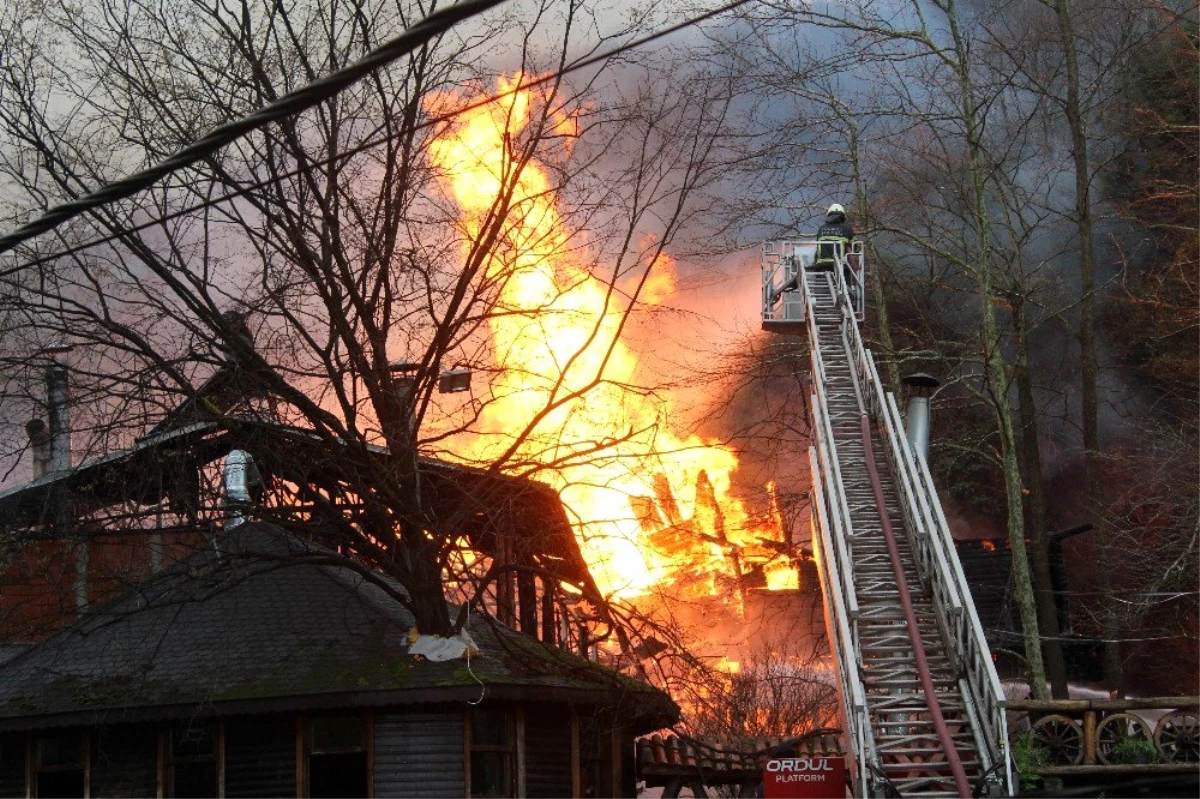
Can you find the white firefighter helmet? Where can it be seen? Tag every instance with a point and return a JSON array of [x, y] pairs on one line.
[[836, 209]]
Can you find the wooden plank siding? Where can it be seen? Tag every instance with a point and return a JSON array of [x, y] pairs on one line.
[[419, 754], [557, 751]]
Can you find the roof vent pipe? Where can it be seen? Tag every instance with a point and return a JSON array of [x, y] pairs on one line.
[[58, 398], [241, 475], [39, 442], [405, 380], [920, 386]]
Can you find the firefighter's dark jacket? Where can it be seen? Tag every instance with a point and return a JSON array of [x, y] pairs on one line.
[[836, 227]]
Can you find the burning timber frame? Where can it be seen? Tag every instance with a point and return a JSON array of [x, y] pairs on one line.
[[164, 485]]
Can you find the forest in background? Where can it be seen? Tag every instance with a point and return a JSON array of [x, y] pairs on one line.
[[984, 145]]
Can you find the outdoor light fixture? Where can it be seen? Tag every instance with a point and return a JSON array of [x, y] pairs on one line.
[[455, 381], [452, 381]]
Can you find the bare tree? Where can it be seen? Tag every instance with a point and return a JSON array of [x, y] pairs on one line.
[[770, 693], [325, 262], [1076, 68]]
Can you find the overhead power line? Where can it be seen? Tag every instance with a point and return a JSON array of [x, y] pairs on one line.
[[55, 216], [294, 102]]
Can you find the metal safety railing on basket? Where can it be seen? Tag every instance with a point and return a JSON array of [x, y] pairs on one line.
[[784, 264]]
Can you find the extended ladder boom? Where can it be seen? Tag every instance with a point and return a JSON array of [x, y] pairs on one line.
[[923, 707]]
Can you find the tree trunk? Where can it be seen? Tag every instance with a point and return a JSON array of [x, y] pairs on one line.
[[995, 370], [1047, 610], [1089, 402], [424, 581], [883, 330]]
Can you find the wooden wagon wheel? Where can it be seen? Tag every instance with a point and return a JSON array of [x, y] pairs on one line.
[[1116, 728], [1062, 739], [1177, 737]]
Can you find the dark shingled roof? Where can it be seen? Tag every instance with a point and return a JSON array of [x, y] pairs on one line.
[[263, 621]]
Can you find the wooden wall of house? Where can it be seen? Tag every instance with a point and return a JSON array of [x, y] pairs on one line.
[[412, 752], [547, 748], [419, 754], [12, 764]]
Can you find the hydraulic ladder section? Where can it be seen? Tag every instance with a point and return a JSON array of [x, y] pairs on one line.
[[922, 705]]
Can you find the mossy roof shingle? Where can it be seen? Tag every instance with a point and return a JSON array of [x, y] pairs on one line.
[[265, 621]]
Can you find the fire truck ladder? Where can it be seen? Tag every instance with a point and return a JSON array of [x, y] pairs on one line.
[[923, 708]]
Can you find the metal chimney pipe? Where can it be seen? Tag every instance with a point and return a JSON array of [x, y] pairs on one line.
[[240, 474], [920, 387], [52, 455], [405, 380], [58, 398]]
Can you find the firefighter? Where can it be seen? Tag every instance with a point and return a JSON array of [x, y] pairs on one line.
[[833, 238]]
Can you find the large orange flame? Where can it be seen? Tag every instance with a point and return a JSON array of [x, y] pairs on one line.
[[556, 340]]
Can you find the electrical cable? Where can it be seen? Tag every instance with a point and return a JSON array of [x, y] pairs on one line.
[[62, 213], [482, 686]]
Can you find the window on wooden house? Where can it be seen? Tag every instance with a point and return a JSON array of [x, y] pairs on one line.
[[60, 764], [493, 752], [259, 754], [337, 756], [12, 764], [192, 760], [548, 767], [123, 761]]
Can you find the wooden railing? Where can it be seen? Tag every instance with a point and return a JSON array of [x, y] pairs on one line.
[[1088, 736]]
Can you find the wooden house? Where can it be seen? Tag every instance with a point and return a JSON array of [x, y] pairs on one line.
[[160, 636], [266, 665]]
